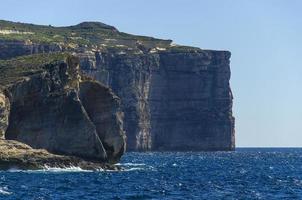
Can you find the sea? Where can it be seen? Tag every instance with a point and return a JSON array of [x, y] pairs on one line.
[[247, 173]]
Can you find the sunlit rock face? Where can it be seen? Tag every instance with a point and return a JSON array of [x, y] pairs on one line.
[[172, 101], [4, 114]]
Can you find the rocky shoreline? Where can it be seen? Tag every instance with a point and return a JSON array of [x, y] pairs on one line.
[[17, 155]]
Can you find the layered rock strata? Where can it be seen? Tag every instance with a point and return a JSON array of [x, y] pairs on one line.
[[172, 100]]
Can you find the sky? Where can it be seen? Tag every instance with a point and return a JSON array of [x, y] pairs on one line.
[[264, 36]]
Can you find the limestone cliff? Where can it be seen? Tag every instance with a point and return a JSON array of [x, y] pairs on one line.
[[41, 105], [173, 97], [191, 102], [173, 100]]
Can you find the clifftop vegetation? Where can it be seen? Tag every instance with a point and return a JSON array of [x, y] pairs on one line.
[[17, 68], [89, 35]]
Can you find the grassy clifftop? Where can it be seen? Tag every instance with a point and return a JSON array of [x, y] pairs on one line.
[[88, 35], [83, 34]]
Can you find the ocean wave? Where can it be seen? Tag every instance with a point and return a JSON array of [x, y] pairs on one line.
[[4, 191]]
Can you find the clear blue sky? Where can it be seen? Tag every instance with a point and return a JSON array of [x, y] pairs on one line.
[[264, 36]]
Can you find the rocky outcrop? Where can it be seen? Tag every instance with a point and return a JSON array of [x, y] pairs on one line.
[[103, 109], [46, 111], [19, 156]]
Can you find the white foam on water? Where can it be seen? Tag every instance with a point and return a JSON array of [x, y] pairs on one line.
[[4, 191], [130, 164], [65, 169], [126, 167], [48, 169], [53, 169], [13, 169], [133, 169]]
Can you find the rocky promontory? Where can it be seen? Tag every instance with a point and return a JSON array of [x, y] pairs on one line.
[[163, 95], [45, 103]]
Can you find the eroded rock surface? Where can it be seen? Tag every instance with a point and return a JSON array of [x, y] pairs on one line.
[[103, 109], [46, 111], [4, 114]]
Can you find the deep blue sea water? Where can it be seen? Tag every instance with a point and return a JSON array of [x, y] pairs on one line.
[[243, 174]]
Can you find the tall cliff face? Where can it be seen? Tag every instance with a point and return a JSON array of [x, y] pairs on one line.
[[46, 111], [191, 102], [173, 97], [172, 100]]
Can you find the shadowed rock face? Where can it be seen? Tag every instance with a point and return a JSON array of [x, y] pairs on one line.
[[46, 112], [103, 109]]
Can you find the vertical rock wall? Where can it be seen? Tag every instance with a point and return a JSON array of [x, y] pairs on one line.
[[172, 101], [129, 77], [191, 102]]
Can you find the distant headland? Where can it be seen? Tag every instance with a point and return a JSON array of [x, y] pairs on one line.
[[81, 95]]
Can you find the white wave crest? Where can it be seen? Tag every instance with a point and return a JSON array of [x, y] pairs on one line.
[[130, 164], [133, 169], [3, 191]]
